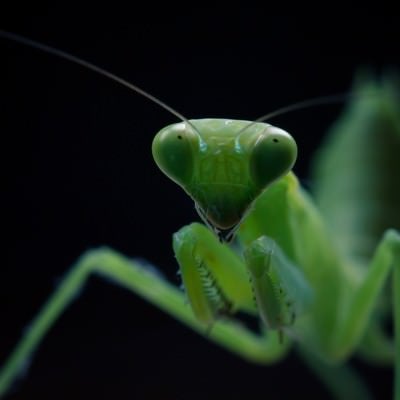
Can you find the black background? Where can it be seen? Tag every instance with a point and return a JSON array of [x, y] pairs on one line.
[[78, 173]]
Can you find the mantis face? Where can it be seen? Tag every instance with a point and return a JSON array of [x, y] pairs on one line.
[[224, 165]]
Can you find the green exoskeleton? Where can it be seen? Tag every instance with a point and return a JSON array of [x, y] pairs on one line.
[[311, 269], [224, 166]]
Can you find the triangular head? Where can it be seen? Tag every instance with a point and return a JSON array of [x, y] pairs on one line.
[[224, 165]]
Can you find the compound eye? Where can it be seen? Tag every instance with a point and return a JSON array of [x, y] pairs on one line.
[[273, 156], [173, 150]]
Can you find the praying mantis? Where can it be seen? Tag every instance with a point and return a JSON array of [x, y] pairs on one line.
[[308, 288]]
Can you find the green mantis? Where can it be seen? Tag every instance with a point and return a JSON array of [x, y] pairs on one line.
[[309, 289]]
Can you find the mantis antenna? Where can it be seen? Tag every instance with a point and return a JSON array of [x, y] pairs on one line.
[[315, 101], [92, 67], [101, 71]]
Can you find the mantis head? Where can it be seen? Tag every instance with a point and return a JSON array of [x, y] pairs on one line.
[[224, 165]]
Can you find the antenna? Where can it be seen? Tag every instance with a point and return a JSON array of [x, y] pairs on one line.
[[92, 67], [315, 101]]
